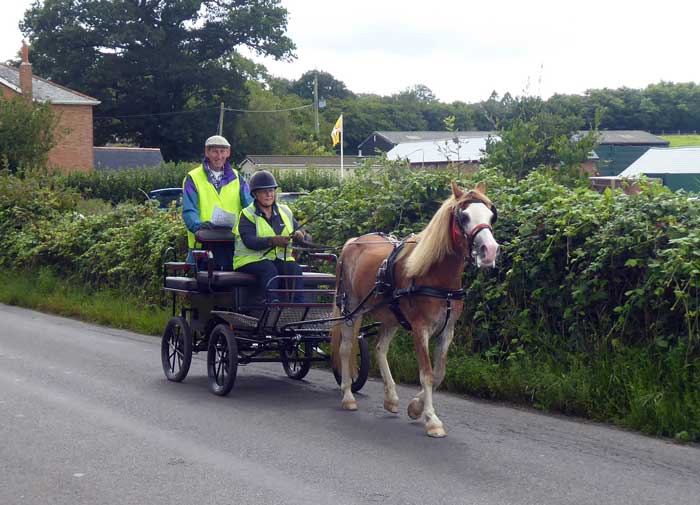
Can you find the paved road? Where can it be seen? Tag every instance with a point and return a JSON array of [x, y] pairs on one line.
[[87, 417]]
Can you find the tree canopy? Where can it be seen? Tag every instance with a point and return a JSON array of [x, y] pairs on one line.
[[147, 61]]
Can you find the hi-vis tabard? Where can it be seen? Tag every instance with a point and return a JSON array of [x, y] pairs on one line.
[[243, 256], [229, 199]]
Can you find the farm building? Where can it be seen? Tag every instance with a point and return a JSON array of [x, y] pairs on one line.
[[383, 141], [74, 148], [254, 162], [618, 149], [113, 158], [677, 168], [465, 152]]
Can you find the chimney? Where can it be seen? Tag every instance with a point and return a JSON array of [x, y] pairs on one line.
[[25, 73]]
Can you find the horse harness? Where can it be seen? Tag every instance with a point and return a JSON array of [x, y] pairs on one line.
[[385, 280], [385, 285]]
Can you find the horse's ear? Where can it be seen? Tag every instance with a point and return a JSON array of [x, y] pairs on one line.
[[456, 191], [481, 187]]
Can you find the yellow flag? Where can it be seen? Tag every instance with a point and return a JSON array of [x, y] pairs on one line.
[[337, 131]]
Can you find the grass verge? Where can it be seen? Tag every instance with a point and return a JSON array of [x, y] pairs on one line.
[[49, 293]]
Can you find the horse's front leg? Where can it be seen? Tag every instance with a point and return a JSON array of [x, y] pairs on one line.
[[391, 399], [433, 425]]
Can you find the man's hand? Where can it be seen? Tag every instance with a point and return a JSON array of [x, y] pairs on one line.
[[206, 225], [280, 241]]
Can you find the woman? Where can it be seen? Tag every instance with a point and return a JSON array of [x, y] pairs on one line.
[[263, 235]]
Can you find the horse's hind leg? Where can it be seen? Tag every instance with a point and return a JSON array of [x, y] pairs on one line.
[[391, 399], [433, 425], [347, 336]]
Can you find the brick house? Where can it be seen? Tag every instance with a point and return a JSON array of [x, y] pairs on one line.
[[74, 133]]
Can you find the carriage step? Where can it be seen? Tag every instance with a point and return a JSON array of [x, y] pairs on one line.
[[240, 321]]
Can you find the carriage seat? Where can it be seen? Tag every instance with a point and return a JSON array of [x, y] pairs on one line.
[[181, 283], [223, 281]]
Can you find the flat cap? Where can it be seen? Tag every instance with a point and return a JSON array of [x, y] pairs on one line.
[[216, 140]]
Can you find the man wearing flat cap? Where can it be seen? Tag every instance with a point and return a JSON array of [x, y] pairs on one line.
[[214, 183]]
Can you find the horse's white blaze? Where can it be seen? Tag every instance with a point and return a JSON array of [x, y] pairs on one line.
[[484, 243]]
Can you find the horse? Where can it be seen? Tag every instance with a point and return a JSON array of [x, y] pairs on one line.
[[418, 285]]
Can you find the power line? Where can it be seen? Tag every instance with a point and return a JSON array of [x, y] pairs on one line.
[[194, 111], [271, 110]]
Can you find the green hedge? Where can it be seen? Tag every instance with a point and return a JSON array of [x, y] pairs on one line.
[[118, 186], [593, 308]]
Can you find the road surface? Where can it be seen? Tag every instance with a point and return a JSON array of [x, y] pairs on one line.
[[87, 417]]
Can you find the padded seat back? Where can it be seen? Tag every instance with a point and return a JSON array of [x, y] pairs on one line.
[[313, 279], [224, 281]]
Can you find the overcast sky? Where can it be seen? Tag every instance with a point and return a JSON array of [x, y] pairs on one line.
[[463, 50]]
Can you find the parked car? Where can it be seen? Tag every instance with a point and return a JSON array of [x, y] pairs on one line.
[[288, 197], [166, 196]]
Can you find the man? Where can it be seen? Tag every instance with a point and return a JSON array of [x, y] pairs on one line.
[[212, 184], [263, 234]]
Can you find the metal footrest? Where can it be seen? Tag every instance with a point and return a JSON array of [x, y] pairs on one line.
[[240, 321], [279, 316]]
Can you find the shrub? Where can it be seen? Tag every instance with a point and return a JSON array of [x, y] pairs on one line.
[[27, 133]]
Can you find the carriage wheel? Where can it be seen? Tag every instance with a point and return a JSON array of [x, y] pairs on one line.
[[294, 367], [176, 349], [222, 360], [363, 361]]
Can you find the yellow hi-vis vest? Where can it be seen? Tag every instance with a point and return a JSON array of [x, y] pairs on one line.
[[229, 199], [244, 256]]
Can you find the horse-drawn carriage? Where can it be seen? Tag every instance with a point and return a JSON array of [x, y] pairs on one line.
[[222, 312], [415, 283]]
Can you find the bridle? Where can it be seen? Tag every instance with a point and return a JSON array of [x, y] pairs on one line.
[[459, 223]]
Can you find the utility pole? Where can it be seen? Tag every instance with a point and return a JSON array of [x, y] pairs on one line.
[[221, 119], [316, 127]]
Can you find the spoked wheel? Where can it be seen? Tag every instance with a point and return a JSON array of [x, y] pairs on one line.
[[176, 349], [362, 372], [294, 366], [222, 360]]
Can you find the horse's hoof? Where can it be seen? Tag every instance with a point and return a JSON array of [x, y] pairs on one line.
[[391, 406], [435, 430], [349, 405], [415, 408]]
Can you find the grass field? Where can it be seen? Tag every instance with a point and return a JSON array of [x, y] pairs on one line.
[[682, 140]]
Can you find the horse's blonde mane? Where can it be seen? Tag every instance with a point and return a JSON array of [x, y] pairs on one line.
[[434, 243]]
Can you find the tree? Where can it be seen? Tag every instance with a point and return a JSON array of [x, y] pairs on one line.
[[27, 133], [535, 137], [147, 61], [328, 86]]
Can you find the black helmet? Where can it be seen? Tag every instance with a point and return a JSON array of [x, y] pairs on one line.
[[262, 179]]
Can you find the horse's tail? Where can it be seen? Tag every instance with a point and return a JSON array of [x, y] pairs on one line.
[[336, 333], [336, 337], [335, 340]]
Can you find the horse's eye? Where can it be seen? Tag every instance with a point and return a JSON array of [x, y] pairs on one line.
[[463, 218]]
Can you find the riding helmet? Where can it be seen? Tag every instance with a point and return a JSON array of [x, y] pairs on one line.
[[262, 179]]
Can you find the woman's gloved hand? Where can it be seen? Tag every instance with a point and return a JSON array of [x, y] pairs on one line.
[[301, 237]]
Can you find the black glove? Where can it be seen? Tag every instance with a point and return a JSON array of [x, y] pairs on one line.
[[206, 225]]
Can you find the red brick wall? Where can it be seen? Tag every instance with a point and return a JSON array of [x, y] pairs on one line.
[[73, 151], [7, 92]]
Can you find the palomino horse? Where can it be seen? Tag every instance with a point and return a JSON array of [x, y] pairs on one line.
[[419, 287]]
